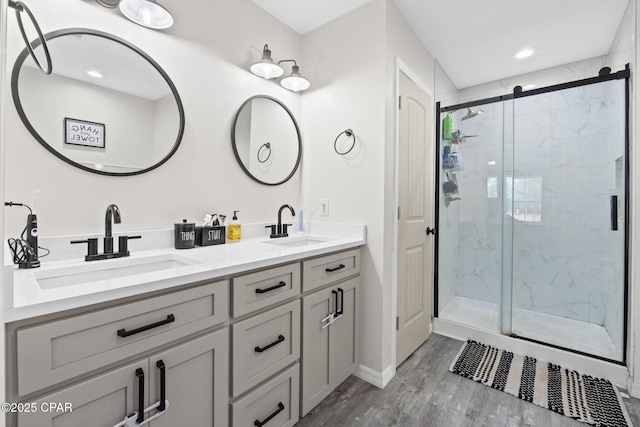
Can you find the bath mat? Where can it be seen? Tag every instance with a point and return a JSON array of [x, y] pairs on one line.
[[590, 400]]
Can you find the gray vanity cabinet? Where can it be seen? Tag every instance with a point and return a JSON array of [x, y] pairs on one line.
[[196, 375], [85, 361], [330, 351]]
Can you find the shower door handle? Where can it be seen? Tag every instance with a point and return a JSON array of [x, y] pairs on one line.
[[614, 213]]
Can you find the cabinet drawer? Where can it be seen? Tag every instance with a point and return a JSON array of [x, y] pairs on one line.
[[264, 345], [258, 290], [275, 404], [61, 350], [321, 271]]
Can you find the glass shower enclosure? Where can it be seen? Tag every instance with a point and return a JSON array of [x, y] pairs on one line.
[[532, 215]]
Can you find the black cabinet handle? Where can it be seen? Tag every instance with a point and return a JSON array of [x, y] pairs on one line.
[[163, 390], [330, 270], [340, 311], [265, 290], [124, 333], [259, 423], [614, 213], [140, 375], [268, 346]]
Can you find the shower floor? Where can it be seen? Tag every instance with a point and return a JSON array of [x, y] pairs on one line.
[[581, 336]]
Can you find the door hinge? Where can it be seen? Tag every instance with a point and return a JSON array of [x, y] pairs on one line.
[[398, 212], [397, 323], [399, 102]]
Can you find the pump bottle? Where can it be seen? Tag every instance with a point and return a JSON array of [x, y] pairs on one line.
[[235, 229]]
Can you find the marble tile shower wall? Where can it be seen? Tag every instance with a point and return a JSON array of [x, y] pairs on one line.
[[479, 233], [559, 263]]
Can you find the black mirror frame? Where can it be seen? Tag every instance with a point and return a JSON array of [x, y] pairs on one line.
[[235, 150], [58, 33]]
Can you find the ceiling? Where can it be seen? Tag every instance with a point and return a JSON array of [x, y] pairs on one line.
[[475, 40], [306, 15]]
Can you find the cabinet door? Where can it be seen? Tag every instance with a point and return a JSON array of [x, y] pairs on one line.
[[343, 333], [100, 402], [316, 379], [196, 382]]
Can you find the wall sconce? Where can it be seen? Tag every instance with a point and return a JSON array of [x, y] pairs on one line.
[[268, 69], [147, 13]]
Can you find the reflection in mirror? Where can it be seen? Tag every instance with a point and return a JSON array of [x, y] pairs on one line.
[[266, 140], [107, 107]]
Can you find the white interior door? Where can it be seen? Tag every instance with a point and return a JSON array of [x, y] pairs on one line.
[[415, 216]]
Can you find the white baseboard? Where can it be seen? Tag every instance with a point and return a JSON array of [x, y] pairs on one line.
[[376, 378], [635, 390]]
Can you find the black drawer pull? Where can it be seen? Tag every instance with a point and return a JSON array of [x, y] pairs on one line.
[[124, 333], [265, 290], [259, 423], [330, 270], [163, 386], [268, 346]]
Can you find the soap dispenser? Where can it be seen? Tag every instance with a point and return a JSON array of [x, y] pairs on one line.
[[235, 229]]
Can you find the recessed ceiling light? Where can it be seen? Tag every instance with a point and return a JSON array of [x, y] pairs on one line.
[[528, 87], [491, 162], [524, 53], [95, 73]]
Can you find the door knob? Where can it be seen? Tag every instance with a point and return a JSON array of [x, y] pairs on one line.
[[431, 231]]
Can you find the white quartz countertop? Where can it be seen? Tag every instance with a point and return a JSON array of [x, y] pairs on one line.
[[66, 281]]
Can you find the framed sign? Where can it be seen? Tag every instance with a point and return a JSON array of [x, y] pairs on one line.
[[81, 132]]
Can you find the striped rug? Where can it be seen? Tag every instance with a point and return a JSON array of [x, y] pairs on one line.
[[590, 400]]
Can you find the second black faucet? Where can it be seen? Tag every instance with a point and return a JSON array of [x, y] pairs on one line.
[[280, 229]]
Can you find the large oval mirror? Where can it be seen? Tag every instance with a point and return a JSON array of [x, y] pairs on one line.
[[107, 108], [266, 140]]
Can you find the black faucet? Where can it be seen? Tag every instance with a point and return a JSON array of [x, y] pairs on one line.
[[112, 212], [280, 230], [112, 215]]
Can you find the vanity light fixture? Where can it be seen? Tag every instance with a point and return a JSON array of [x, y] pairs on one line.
[[294, 81], [266, 68], [147, 13]]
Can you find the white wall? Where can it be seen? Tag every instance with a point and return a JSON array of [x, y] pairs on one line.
[[352, 64], [210, 71], [344, 60]]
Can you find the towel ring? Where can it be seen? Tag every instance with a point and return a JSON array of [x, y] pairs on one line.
[[349, 133], [266, 146], [20, 7]]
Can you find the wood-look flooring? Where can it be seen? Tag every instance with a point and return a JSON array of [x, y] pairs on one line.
[[425, 393]]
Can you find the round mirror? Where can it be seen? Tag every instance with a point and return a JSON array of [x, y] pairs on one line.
[[266, 140], [107, 107]]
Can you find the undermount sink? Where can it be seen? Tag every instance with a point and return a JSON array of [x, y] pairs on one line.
[[297, 241], [108, 269]]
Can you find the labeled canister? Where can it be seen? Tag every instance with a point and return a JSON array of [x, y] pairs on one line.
[[185, 235]]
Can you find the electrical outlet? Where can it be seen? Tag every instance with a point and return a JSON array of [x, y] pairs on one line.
[[324, 207]]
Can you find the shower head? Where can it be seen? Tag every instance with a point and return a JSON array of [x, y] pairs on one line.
[[471, 114]]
